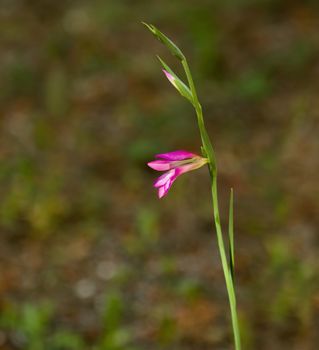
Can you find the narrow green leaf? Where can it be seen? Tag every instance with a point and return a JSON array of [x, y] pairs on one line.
[[179, 85], [231, 235], [166, 41]]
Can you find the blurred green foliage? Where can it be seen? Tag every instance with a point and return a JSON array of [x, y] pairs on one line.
[[29, 328]]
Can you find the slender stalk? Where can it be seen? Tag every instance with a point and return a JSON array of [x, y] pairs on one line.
[[213, 174]]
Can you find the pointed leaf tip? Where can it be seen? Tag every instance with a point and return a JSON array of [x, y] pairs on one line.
[[149, 26], [174, 49]]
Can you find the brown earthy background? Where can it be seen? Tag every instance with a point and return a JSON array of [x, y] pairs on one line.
[[89, 257]]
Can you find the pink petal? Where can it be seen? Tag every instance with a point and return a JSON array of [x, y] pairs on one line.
[[186, 167], [176, 155], [164, 178], [161, 192], [159, 165], [168, 184]]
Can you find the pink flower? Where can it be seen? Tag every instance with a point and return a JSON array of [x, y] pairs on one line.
[[175, 164]]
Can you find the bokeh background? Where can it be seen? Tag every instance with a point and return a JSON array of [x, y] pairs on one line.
[[89, 257]]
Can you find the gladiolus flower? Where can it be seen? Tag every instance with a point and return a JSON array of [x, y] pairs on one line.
[[175, 164]]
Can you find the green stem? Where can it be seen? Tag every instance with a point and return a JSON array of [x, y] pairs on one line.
[[213, 173], [200, 119]]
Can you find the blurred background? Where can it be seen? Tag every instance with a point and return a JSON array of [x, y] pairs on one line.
[[89, 257]]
